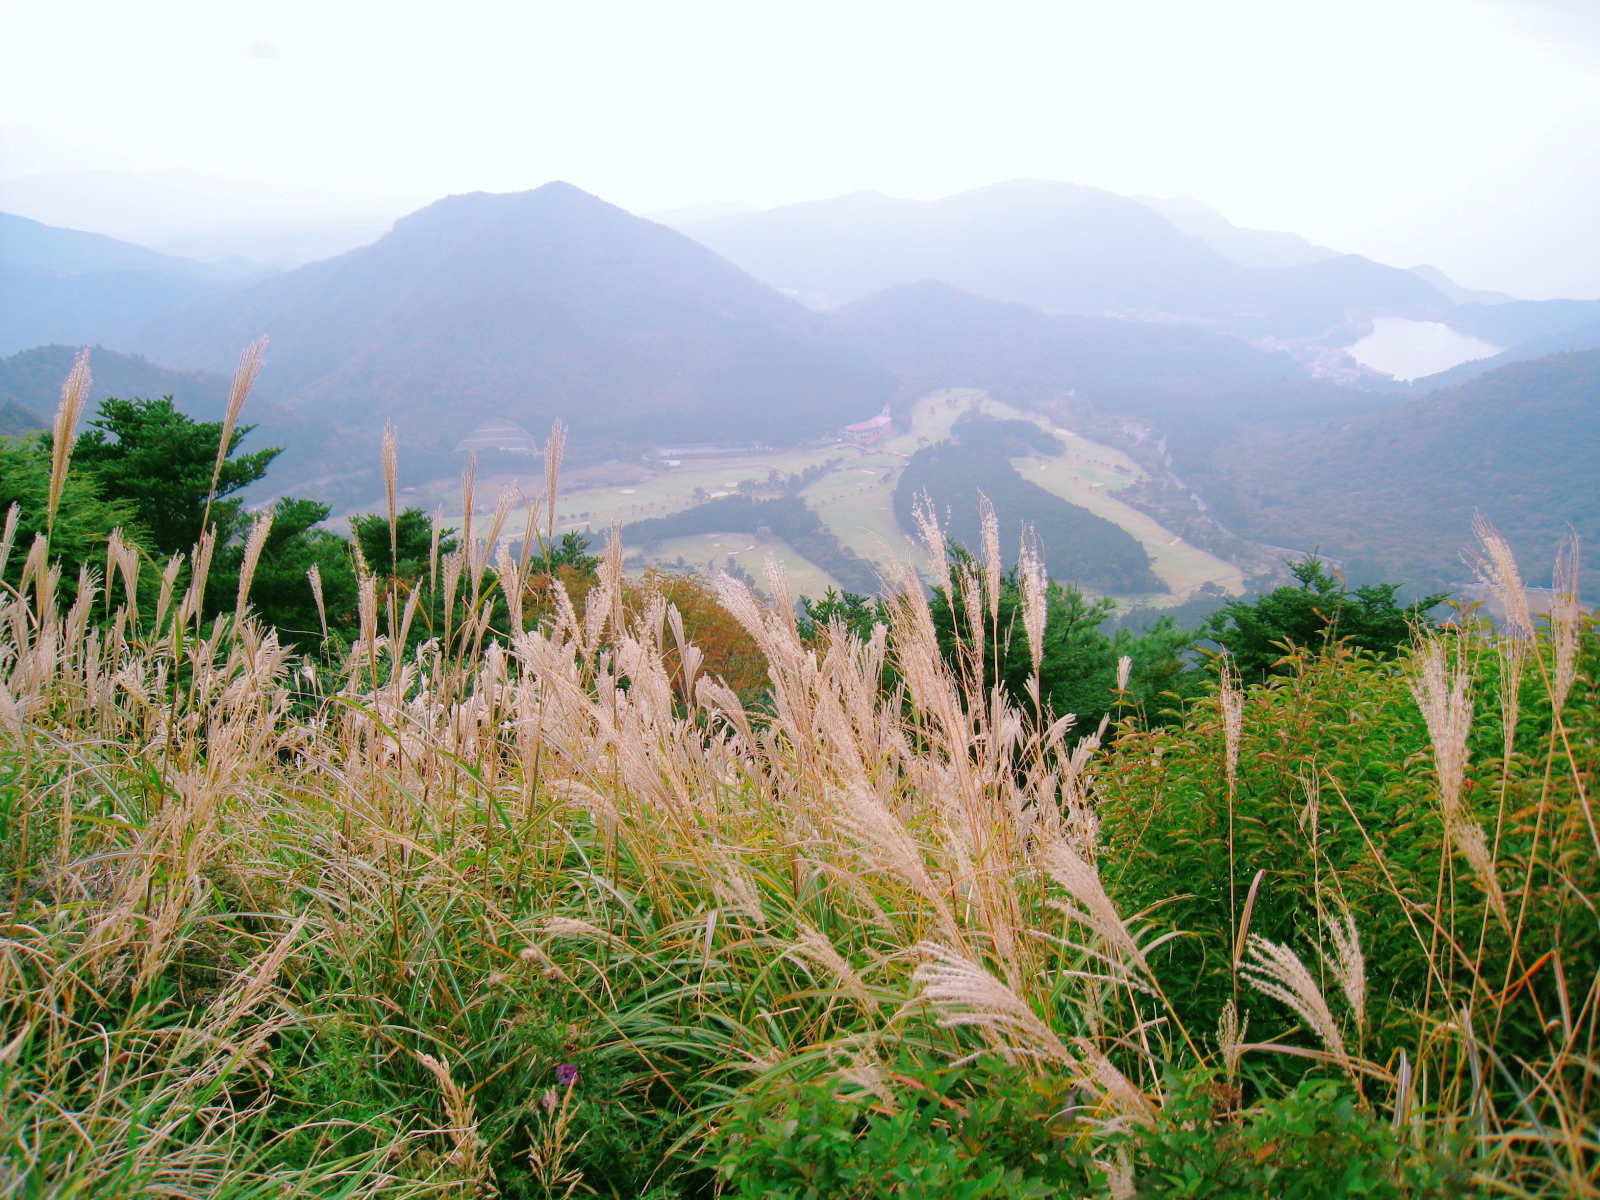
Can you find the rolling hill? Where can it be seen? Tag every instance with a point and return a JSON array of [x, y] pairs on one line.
[[533, 305], [30, 388], [1392, 493], [1581, 337]]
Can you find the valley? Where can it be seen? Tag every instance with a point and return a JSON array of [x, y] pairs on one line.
[[852, 492]]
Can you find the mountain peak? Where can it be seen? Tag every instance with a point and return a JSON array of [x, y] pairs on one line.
[[524, 306]]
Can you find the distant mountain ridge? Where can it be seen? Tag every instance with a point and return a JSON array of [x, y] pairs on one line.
[[29, 243], [530, 306], [932, 335], [65, 285], [1581, 337], [1060, 247], [1247, 247]]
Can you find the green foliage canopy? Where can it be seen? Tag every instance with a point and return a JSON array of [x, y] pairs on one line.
[[1315, 614], [160, 461]]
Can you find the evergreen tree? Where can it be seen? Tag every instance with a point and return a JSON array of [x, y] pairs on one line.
[[160, 461], [1315, 614]]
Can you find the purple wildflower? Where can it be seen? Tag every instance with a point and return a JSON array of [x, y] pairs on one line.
[[566, 1075]]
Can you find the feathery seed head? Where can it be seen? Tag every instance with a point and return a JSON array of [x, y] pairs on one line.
[[1277, 971], [1496, 568], [64, 434], [252, 556], [315, 575], [1564, 614], [991, 555]]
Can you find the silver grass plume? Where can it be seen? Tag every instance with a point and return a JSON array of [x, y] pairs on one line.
[[252, 556], [972, 601], [8, 536], [1035, 589], [469, 488], [1116, 1086], [813, 946], [125, 560], [169, 579], [553, 450], [1496, 568], [315, 575], [64, 434], [244, 378], [1564, 613], [1277, 971], [433, 548], [1513, 655], [391, 478], [362, 568], [367, 608], [991, 557], [1089, 905], [1231, 699], [1442, 692], [932, 536], [967, 994], [194, 599], [1231, 1030], [1346, 963]]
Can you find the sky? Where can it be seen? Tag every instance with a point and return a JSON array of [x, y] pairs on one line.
[[1462, 133]]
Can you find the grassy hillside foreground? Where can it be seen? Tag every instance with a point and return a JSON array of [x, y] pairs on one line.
[[567, 916]]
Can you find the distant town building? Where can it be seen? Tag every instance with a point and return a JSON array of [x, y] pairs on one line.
[[866, 433], [500, 435]]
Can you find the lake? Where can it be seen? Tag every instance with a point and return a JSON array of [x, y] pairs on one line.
[[1410, 349]]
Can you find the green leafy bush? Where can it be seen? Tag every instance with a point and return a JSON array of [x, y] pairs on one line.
[[980, 1132], [1315, 1143]]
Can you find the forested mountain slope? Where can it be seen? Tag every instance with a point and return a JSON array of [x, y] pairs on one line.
[[1393, 492]]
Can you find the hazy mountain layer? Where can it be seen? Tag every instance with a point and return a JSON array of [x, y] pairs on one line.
[[15, 419], [1059, 247], [25, 243], [932, 335], [1053, 245], [1522, 320], [65, 285], [1247, 247], [531, 306]]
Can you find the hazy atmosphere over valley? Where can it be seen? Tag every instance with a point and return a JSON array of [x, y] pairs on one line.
[[663, 600]]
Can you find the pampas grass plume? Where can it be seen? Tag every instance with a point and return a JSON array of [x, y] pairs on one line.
[[64, 434]]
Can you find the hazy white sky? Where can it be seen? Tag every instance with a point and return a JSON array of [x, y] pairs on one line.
[[1461, 132]]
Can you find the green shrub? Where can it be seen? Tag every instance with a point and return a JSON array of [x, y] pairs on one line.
[[1315, 1143], [975, 1133]]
